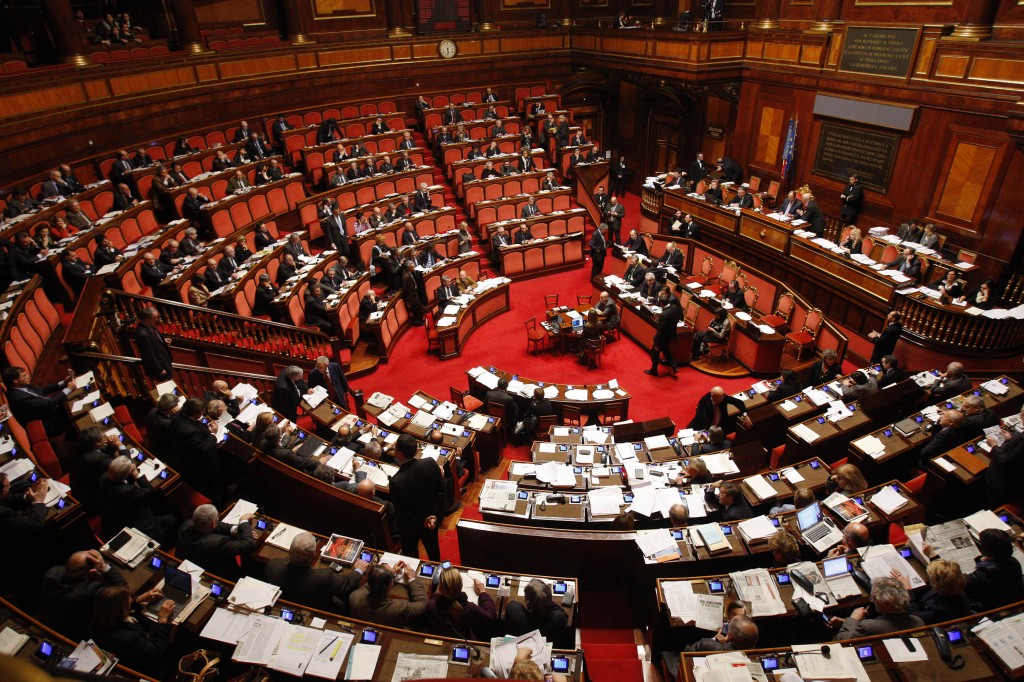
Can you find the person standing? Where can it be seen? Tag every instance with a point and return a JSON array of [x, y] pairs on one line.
[[598, 250], [613, 215], [619, 171], [668, 323], [418, 493], [852, 198], [154, 348], [885, 341]]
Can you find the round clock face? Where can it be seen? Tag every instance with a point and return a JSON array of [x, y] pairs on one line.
[[447, 49]]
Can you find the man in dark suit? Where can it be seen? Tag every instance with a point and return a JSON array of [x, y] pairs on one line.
[[374, 601], [891, 372], [530, 209], [152, 271], [550, 183], [668, 322], [171, 255], [598, 250], [791, 206], [812, 214], [75, 217], [407, 141], [69, 177], [698, 170], [256, 147], [331, 376], [191, 208], [522, 234], [908, 264], [601, 199], [212, 276], [562, 131], [55, 186], [742, 199], [636, 243], [450, 116], [619, 171], [613, 215], [977, 417], [852, 198], [947, 434], [409, 234], [121, 171], [75, 272], [318, 588], [428, 257], [411, 294], [279, 128], [30, 403], [421, 200], [672, 257], [123, 197], [634, 272], [885, 341], [195, 449], [335, 231], [288, 392], [295, 247], [243, 132], [1006, 466], [153, 348], [950, 383], [713, 410], [214, 545], [734, 505], [94, 451], [68, 592], [127, 499], [265, 294], [445, 292], [418, 493], [500, 395], [227, 264], [731, 171]]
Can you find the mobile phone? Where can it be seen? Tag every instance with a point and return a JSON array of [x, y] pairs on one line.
[[814, 464], [261, 524], [906, 553], [336, 411], [627, 497], [955, 636], [460, 653], [141, 457], [559, 664], [45, 651], [427, 570], [164, 475], [782, 578], [716, 587], [775, 522], [156, 563], [369, 636], [677, 535], [820, 420], [773, 477], [61, 503], [287, 615], [217, 590], [866, 653], [888, 433], [493, 581], [366, 556], [446, 564], [559, 588], [725, 627], [523, 495]]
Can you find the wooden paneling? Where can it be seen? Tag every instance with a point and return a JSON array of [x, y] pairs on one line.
[[625, 45], [1001, 70], [770, 134], [785, 52], [549, 42], [229, 12], [257, 66], [729, 50], [154, 80], [675, 50], [368, 54], [951, 66], [972, 169], [627, 115], [41, 100]]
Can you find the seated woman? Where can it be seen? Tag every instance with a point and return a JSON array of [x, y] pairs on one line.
[[717, 332], [452, 614], [695, 472], [846, 479], [140, 647], [42, 236], [790, 386], [996, 578], [983, 297], [949, 285], [853, 242], [591, 336], [945, 599], [713, 194], [826, 369]]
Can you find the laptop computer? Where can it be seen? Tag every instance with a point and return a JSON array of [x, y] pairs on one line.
[[819, 532], [838, 577], [177, 587]]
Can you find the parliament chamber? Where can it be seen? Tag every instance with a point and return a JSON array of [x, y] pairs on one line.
[[325, 330]]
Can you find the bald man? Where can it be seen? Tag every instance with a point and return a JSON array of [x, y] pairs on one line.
[[713, 410], [950, 383], [220, 390], [742, 635], [855, 536]]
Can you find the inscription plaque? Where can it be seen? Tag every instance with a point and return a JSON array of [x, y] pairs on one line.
[[844, 151], [878, 51]]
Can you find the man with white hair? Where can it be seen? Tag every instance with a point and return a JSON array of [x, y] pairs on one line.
[[743, 634], [301, 581], [331, 376], [214, 545], [288, 392], [950, 383], [127, 499], [891, 600]]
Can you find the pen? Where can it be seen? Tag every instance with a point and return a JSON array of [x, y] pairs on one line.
[[328, 646], [336, 647]]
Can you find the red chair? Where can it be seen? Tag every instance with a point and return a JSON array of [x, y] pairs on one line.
[[783, 310], [805, 338], [897, 536], [536, 337], [465, 400], [838, 463], [916, 485]]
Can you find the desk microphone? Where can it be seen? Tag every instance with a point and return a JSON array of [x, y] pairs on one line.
[[472, 647]]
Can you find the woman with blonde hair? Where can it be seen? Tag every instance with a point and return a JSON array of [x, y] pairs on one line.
[[452, 614], [847, 479], [945, 599]]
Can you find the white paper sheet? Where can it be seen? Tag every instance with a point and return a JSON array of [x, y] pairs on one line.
[[329, 654]]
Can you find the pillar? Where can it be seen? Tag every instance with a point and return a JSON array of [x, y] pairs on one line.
[[826, 13], [67, 40], [485, 15], [767, 14], [975, 17], [189, 35], [398, 18], [298, 16]]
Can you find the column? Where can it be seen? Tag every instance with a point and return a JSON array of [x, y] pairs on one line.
[[398, 18], [665, 13], [485, 15], [975, 19], [563, 10], [826, 13], [767, 14], [189, 35], [298, 16], [67, 40]]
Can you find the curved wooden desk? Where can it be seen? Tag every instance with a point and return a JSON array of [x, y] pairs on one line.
[[468, 319], [559, 400]]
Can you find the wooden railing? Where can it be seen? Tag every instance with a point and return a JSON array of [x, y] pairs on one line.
[[953, 329]]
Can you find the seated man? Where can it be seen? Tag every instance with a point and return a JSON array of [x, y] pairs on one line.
[[319, 588], [607, 310], [127, 499], [214, 545], [713, 409], [717, 332], [538, 612], [672, 257], [734, 506], [30, 403], [950, 383], [743, 634], [373, 601], [446, 291], [742, 199], [634, 274], [69, 591], [636, 243], [891, 600], [855, 536], [891, 372], [500, 395], [858, 385], [908, 264]]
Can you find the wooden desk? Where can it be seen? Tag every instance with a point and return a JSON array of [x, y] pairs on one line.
[[559, 401], [483, 307], [544, 255], [552, 224], [457, 169]]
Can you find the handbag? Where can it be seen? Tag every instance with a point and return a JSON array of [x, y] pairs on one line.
[[198, 666]]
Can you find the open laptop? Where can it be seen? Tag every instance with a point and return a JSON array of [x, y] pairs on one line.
[[177, 587], [819, 532], [838, 577], [577, 323]]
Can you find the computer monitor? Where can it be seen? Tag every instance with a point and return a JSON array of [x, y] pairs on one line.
[[577, 323], [808, 516], [837, 566]]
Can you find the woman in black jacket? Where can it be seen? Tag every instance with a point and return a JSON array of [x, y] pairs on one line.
[[944, 600], [115, 629]]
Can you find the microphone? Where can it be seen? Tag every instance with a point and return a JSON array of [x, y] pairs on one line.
[[472, 647]]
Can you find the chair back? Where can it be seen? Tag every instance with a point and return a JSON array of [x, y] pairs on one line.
[[755, 183], [784, 308], [813, 322], [572, 414], [550, 301], [750, 296], [584, 299], [707, 266]]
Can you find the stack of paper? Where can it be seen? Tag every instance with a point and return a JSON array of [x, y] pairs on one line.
[[1005, 638], [888, 500], [713, 537], [606, 501], [499, 495], [317, 395], [806, 434], [11, 641], [757, 529], [720, 464], [680, 600], [253, 595], [283, 535], [841, 663], [241, 508], [380, 400], [657, 544], [761, 487], [329, 654], [984, 519], [758, 587], [504, 650], [879, 561]]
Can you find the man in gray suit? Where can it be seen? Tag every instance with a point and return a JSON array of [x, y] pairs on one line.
[[890, 599]]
